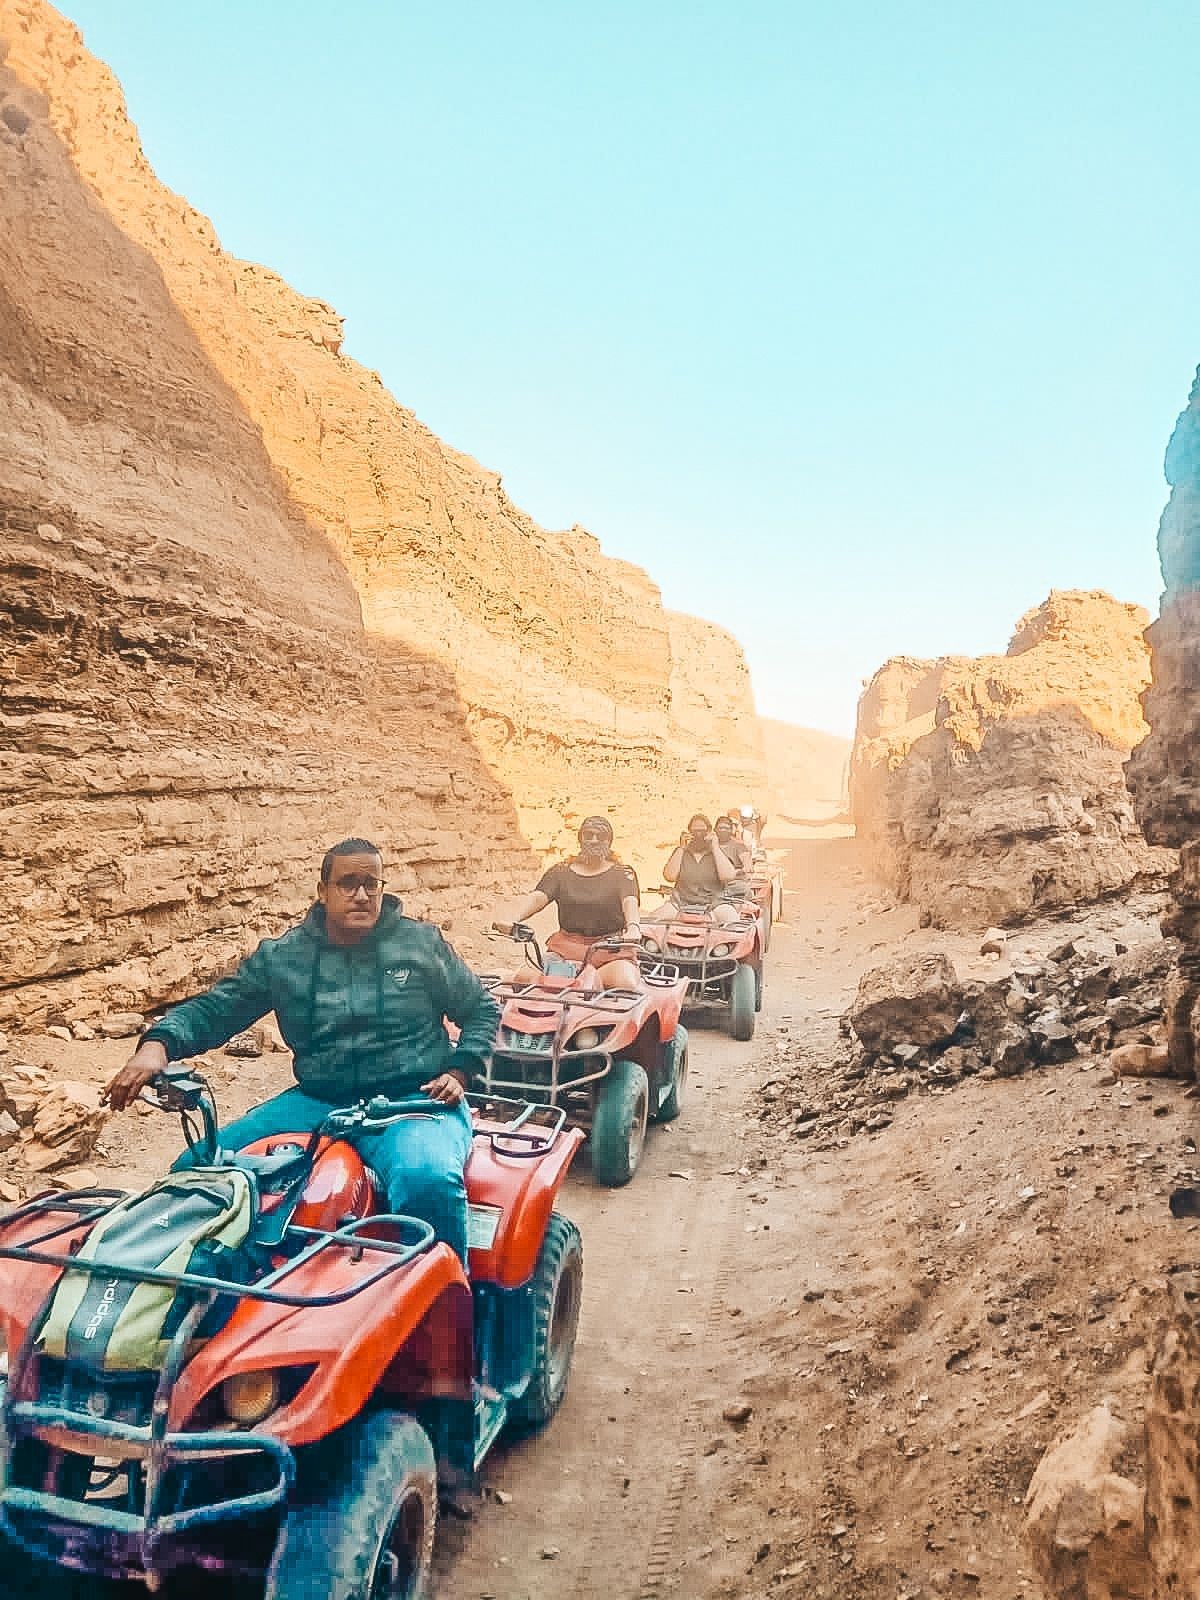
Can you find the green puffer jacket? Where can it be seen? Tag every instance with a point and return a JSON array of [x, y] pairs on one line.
[[360, 1019]]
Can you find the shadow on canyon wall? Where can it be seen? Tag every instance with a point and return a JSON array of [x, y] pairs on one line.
[[191, 709]]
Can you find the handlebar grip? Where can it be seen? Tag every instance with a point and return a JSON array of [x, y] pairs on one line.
[[381, 1106]]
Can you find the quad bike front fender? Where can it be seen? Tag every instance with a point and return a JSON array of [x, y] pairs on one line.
[[522, 1190], [423, 1310]]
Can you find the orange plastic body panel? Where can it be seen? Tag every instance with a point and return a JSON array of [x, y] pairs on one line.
[[541, 1016], [339, 1186], [25, 1286], [694, 931], [638, 1033], [412, 1331], [352, 1345], [524, 1188]]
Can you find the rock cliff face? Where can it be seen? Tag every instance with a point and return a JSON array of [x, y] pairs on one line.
[[1164, 775], [249, 603], [991, 789], [710, 699]]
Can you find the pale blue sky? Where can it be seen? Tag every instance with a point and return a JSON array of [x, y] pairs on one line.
[[861, 326]]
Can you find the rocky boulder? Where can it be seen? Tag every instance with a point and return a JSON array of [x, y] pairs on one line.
[[913, 1001], [1093, 1532], [1086, 1522], [66, 1126]]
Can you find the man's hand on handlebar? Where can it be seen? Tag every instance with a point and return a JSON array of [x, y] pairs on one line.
[[448, 1089], [146, 1062]]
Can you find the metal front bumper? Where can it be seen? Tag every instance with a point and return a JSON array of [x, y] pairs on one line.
[[555, 1071], [93, 1536]]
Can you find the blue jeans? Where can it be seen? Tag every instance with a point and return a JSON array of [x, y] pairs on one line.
[[419, 1159]]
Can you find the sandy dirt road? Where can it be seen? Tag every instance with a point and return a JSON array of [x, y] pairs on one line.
[[599, 1500], [911, 1317]]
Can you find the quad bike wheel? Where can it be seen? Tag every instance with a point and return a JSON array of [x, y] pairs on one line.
[[619, 1123], [557, 1292], [758, 988], [677, 1069], [741, 1002], [364, 1529]]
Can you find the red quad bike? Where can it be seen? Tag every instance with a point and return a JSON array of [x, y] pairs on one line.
[[610, 1059], [722, 962], [308, 1390]]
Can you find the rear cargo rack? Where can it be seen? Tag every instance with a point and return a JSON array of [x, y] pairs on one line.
[[515, 1137], [618, 1001]]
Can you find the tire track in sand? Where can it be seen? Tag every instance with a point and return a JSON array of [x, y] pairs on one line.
[[603, 1486]]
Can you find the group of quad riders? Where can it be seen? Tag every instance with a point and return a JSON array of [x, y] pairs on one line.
[[271, 1363], [360, 992]]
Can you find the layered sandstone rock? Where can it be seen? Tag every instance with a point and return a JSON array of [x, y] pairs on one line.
[[248, 603], [1164, 774], [992, 789]]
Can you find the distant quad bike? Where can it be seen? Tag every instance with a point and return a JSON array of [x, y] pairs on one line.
[[765, 883], [612, 1060], [252, 1370], [721, 961]]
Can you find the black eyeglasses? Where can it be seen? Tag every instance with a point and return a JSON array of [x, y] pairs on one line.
[[352, 882]]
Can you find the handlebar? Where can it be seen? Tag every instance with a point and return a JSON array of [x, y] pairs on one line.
[[521, 933], [185, 1092], [370, 1116]]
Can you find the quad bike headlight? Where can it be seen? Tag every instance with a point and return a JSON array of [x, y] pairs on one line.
[[250, 1397], [651, 944], [720, 950], [588, 1038]]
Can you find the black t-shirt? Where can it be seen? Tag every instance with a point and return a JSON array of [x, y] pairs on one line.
[[698, 879], [589, 903], [738, 853]]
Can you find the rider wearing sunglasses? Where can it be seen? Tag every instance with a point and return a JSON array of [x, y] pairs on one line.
[[362, 994]]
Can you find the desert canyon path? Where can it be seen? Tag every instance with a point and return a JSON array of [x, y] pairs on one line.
[[904, 1318], [811, 1368]]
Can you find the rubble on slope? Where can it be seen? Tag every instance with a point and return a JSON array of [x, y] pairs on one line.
[[915, 1028]]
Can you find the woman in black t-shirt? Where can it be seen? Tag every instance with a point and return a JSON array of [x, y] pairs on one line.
[[597, 898], [700, 872]]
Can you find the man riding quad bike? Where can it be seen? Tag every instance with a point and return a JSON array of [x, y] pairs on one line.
[[257, 1370], [612, 1059]]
